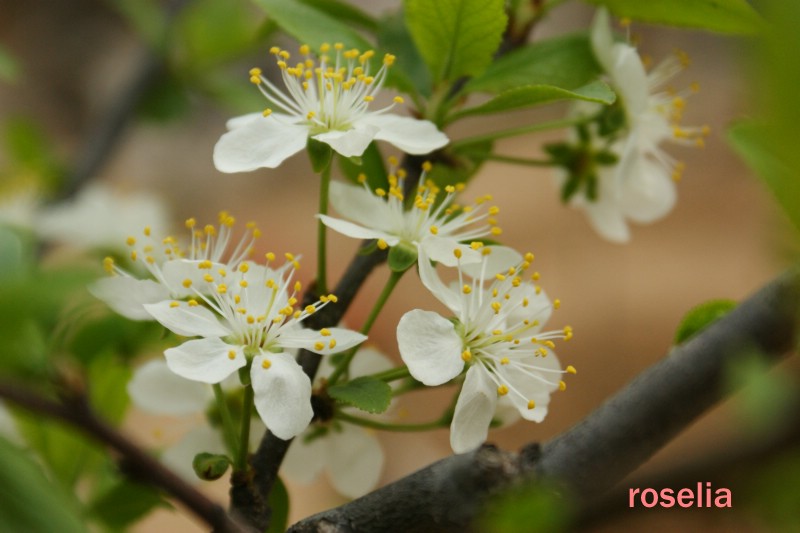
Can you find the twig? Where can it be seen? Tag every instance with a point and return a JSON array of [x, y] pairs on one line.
[[134, 462], [589, 459]]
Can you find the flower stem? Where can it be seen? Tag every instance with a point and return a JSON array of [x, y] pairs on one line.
[[512, 160], [376, 309], [322, 243], [513, 132], [366, 422], [392, 374], [228, 428], [244, 437]]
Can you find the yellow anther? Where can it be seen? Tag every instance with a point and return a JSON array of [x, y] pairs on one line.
[[134, 255], [298, 286], [266, 363], [251, 319], [267, 112], [288, 256], [319, 346], [502, 390], [310, 115], [466, 355], [427, 166], [209, 278], [325, 332], [504, 361], [187, 283], [130, 241], [486, 251], [398, 100], [243, 283], [496, 230], [457, 252], [150, 259], [476, 245], [284, 54], [624, 22], [274, 50], [147, 231], [222, 272], [108, 264], [497, 332], [362, 178], [269, 256], [293, 301], [531, 404], [325, 48], [466, 289], [231, 354], [449, 189], [369, 98], [174, 304], [549, 344], [571, 370], [382, 244], [388, 60], [494, 210], [496, 306], [333, 298], [192, 303], [222, 288], [244, 267], [380, 192], [305, 49], [270, 283], [562, 386], [310, 309], [500, 277], [332, 344], [339, 46], [556, 303], [297, 315], [434, 230]]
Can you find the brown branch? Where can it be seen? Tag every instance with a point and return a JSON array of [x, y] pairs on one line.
[[134, 462], [589, 459]]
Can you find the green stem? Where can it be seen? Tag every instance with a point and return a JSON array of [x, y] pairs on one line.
[[392, 374], [244, 437], [376, 309], [228, 428], [522, 130], [512, 160], [322, 242], [366, 422]]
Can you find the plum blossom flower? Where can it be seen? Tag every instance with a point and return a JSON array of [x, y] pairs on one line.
[[249, 317], [496, 334], [171, 264], [432, 223], [632, 177], [350, 455], [155, 389], [326, 99]]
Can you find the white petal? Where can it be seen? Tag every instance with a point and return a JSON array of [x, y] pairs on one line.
[[358, 204], [539, 307], [538, 390], [409, 134], [430, 346], [206, 360], [432, 281], [158, 390], [238, 122], [649, 192], [308, 338], [629, 79], [441, 250], [349, 143], [353, 230], [180, 456], [304, 461], [356, 461], [501, 258], [127, 295], [258, 143], [187, 320], [607, 220], [474, 410], [601, 38], [282, 394], [368, 361], [177, 271]]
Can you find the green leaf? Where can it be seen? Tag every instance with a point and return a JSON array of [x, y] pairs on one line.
[[108, 378], [533, 508], [319, 153], [533, 95], [311, 26], [371, 166], [724, 16], [146, 17], [366, 393], [699, 317], [402, 257], [209, 466], [125, 503], [409, 73], [456, 38], [211, 32], [166, 100], [9, 68], [279, 504], [566, 62], [30, 150], [459, 166], [344, 12], [753, 142]]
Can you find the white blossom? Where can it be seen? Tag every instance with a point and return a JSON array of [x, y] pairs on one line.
[[496, 334], [326, 99]]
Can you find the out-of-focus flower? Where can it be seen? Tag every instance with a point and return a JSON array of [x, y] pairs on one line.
[[618, 171], [496, 333], [326, 99], [351, 455], [433, 223]]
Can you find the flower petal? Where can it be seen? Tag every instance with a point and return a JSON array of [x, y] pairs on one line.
[[355, 461], [353, 230], [360, 205], [305, 460], [474, 410], [180, 456], [282, 394], [440, 249], [156, 389], [430, 346], [258, 142], [368, 361], [127, 295], [349, 143], [648, 192], [341, 339], [177, 271], [206, 360], [601, 38], [187, 320], [411, 135], [432, 281], [499, 260]]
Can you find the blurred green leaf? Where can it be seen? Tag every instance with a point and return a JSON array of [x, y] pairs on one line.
[[210, 466], [566, 62], [279, 504], [528, 509], [366, 393], [107, 378], [167, 99], [145, 16], [701, 316], [311, 26], [456, 38], [372, 166], [409, 73], [533, 95], [112, 333], [29, 502], [774, 492], [724, 16], [459, 165], [29, 150], [345, 12], [124, 504], [9, 68], [211, 32]]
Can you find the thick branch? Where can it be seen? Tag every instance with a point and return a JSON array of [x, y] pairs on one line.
[[133, 461], [593, 456]]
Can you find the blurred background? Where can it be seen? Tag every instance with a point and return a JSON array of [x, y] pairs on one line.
[[724, 239]]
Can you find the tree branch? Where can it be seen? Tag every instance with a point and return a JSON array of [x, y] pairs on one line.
[[133, 461], [589, 459]]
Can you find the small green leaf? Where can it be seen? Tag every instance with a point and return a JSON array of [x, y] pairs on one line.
[[724, 16], [698, 318], [456, 38], [566, 62], [409, 73], [279, 505], [344, 12], [30, 502], [319, 153], [366, 393], [371, 166], [540, 508], [108, 377], [211, 32], [532, 95], [401, 257], [125, 503], [459, 166], [209, 466], [311, 26], [753, 142]]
